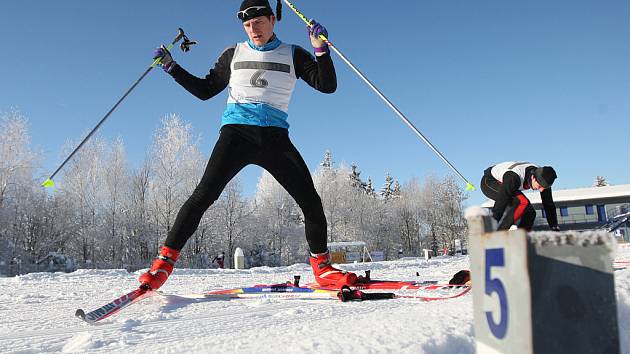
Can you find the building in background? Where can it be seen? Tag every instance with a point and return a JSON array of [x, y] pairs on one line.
[[349, 252], [606, 207]]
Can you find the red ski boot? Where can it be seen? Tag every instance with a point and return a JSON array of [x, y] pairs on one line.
[[328, 276], [161, 268]]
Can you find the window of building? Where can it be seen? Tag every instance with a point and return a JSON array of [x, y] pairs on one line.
[[589, 209], [601, 213], [564, 211]]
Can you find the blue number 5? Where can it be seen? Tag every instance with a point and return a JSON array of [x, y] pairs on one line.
[[495, 258]]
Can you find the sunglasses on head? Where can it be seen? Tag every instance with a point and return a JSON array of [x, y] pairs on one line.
[[250, 11]]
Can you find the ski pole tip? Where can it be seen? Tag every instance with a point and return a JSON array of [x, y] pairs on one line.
[[48, 183], [470, 187]]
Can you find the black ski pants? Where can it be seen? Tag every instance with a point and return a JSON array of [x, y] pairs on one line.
[[268, 147], [518, 208]]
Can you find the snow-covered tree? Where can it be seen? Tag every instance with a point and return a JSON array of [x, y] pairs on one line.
[[351, 206], [600, 181], [327, 163], [116, 183], [22, 209], [379, 228], [140, 243], [369, 188], [442, 215], [387, 189], [406, 213], [328, 183], [17, 161], [280, 224], [396, 189], [234, 211], [176, 162], [355, 178], [82, 187]]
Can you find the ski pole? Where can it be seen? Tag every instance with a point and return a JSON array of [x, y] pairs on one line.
[[185, 46], [469, 186]]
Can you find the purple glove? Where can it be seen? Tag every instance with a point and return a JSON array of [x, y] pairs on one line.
[[166, 61], [314, 30]]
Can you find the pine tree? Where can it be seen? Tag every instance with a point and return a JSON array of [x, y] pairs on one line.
[[434, 243], [386, 191], [600, 181], [369, 189], [328, 161], [396, 191], [355, 178]]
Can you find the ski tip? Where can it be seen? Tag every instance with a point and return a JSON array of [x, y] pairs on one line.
[[80, 314], [48, 183]]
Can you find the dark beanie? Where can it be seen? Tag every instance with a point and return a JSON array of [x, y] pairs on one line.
[[267, 11], [545, 176]]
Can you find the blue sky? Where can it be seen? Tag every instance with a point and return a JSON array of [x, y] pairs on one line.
[[485, 81]]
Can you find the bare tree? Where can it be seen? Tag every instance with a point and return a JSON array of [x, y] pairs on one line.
[[442, 211], [116, 188], [406, 213], [138, 215], [20, 227], [234, 211], [279, 217], [175, 157], [327, 184], [81, 187], [17, 161]]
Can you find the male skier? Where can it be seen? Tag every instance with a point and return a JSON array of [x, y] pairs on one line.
[[504, 182], [260, 74]]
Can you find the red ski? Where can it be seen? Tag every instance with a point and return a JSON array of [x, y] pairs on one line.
[[114, 306], [424, 291], [292, 290], [397, 285], [366, 283], [354, 293]]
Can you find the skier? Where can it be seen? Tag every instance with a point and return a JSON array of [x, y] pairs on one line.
[[504, 182], [260, 74], [220, 259]]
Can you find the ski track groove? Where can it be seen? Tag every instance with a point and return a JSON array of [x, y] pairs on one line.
[[264, 316], [278, 305], [109, 326], [290, 315]]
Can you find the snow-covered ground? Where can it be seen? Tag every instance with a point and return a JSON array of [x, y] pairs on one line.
[[37, 314]]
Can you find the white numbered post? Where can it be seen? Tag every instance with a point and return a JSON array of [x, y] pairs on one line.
[[545, 292], [427, 254], [239, 259]]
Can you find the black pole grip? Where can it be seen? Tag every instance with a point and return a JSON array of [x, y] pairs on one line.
[[347, 294], [296, 280], [180, 35], [378, 296]]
